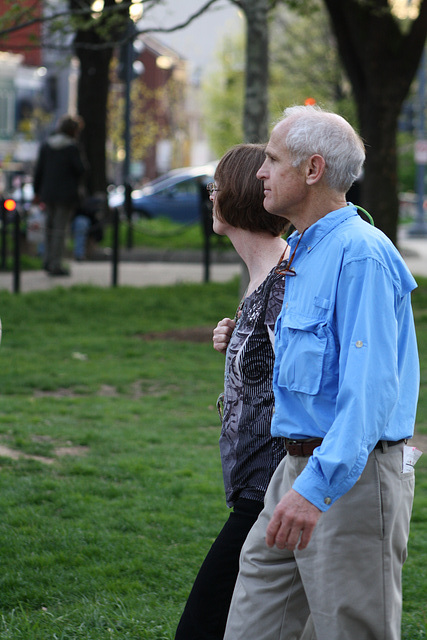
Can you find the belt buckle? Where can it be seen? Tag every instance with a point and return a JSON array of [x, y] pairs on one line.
[[294, 447]]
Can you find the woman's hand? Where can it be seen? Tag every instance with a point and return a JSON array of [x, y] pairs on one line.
[[222, 334]]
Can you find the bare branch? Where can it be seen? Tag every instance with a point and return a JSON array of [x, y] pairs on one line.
[[104, 45], [84, 12]]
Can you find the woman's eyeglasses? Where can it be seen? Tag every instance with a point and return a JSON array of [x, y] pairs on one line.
[[211, 187]]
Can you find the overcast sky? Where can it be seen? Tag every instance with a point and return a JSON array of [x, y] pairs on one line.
[[197, 42]]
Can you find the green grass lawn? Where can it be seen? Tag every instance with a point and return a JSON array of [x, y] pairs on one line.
[[162, 233], [110, 479]]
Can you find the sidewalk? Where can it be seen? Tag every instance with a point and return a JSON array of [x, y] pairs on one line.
[[136, 274], [170, 269]]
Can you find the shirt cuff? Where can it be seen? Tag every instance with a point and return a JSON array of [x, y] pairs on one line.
[[316, 490]]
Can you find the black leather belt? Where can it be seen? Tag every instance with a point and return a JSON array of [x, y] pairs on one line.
[[306, 447], [385, 444]]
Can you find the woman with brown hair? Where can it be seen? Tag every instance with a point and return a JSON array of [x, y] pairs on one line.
[[249, 454]]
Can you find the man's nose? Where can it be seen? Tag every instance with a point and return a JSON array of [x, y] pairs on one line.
[[260, 174]]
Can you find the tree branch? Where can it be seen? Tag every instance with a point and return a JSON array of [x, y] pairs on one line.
[[88, 11]]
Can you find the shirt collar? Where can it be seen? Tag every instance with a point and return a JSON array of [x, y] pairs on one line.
[[317, 231]]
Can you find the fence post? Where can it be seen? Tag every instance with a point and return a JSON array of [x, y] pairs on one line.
[[206, 220], [3, 236], [115, 255], [16, 252]]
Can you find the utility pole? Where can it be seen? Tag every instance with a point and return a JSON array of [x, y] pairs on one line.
[[419, 228], [135, 14], [128, 59]]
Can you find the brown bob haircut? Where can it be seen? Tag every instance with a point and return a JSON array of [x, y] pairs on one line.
[[240, 197]]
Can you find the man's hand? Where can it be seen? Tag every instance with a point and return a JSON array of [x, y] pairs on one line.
[[292, 523], [222, 334]]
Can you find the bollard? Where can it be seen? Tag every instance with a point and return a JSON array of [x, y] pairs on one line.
[[17, 252], [3, 237], [115, 256], [206, 220]]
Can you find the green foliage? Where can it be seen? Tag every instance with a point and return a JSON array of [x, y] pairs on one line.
[[224, 97], [406, 162], [304, 63], [115, 491], [147, 125]]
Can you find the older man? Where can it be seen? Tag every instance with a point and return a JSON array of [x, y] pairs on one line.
[[332, 537]]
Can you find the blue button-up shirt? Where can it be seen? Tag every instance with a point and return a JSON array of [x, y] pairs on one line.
[[346, 366]]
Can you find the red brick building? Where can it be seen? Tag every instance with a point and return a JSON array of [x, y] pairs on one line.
[[159, 116], [25, 41]]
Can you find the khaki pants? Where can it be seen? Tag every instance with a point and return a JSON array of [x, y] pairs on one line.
[[349, 576]]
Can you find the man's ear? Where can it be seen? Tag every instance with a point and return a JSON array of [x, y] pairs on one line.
[[315, 169]]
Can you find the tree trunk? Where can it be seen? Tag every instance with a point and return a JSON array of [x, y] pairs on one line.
[[91, 47], [255, 118], [381, 61], [379, 187], [92, 106]]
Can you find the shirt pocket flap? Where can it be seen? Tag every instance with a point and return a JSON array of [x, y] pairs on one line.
[[301, 365]]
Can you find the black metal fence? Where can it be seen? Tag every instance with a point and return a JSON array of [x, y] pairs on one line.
[[11, 227]]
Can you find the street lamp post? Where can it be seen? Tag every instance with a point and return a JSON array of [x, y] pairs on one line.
[[135, 14], [419, 228], [126, 164], [409, 9]]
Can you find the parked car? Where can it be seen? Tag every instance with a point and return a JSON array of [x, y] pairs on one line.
[[175, 195]]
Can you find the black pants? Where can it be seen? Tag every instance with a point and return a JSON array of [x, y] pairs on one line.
[[205, 614]]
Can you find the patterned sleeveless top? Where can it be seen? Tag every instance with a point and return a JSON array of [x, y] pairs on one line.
[[249, 454]]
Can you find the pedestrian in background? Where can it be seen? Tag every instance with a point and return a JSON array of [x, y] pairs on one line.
[[57, 181]]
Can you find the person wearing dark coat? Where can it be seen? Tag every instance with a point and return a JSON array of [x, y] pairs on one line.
[[57, 178]]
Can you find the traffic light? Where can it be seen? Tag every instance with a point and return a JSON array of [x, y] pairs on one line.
[[9, 204]]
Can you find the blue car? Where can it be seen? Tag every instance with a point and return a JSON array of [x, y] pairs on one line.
[[175, 195]]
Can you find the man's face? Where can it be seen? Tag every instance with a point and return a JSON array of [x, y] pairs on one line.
[[284, 185]]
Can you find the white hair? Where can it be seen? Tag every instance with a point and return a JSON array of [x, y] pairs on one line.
[[315, 131]]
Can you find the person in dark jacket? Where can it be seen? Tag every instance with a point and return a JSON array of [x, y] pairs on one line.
[[58, 174]]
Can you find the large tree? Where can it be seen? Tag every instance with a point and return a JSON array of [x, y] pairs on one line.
[[381, 56], [255, 117], [303, 62], [257, 63], [94, 45]]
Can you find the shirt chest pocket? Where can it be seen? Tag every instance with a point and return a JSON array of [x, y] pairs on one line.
[[302, 362]]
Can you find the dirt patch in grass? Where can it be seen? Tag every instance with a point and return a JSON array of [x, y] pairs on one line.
[[60, 451], [7, 452], [192, 334], [76, 450], [62, 392], [137, 389]]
